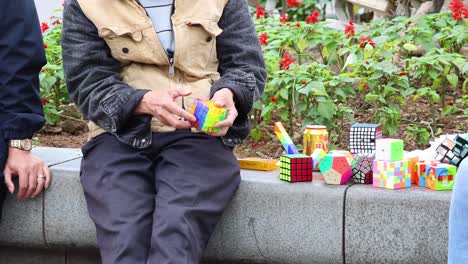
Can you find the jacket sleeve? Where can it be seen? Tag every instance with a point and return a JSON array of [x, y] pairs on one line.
[[240, 56], [21, 58], [92, 74]]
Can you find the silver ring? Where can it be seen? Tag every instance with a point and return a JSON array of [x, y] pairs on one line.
[[42, 176]]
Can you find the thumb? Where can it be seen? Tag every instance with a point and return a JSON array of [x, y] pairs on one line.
[[181, 92], [8, 181]]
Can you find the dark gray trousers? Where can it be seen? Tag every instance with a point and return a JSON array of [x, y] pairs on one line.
[[157, 205]]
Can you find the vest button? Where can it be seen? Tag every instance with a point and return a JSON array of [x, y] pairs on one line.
[[125, 50], [209, 39]]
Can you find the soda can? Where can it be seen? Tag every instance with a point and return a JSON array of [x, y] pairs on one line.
[[315, 137]]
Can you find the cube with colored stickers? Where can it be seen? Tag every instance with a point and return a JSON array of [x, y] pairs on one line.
[[296, 168], [412, 160], [362, 138], [285, 139], [336, 169], [391, 174], [317, 157], [389, 149], [453, 151], [422, 170], [348, 154], [208, 114], [441, 177], [362, 168]]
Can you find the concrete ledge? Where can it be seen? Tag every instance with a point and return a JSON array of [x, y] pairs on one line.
[[268, 221]]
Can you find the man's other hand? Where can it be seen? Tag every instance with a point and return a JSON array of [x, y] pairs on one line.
[[225, 98]]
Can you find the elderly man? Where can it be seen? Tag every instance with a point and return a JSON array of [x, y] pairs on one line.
[[21, 58]]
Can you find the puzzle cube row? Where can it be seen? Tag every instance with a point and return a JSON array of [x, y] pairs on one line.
[[435, 175], [208, 114]]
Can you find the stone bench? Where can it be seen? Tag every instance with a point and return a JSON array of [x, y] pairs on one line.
[[268, 221]]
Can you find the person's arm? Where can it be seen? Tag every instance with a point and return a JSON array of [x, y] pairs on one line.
[[21, 58], [240, 56]]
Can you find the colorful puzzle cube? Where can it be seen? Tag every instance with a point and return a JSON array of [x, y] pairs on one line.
[[453, 151], [362, 168], [389, 149], [296, 168], [421, 171], [441, 177], [336, 169], [348, 154], [208, 114], [362, 138], [317, 156], [412, 167], [391, 174], [285, 140]]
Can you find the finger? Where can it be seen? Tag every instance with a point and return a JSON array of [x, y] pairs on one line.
[[172, 120], [229, 121], [39, 180], [48, 175], [32, 178], [177, 110], [9, 183], [23, 183], [179, 92], [223, 132]]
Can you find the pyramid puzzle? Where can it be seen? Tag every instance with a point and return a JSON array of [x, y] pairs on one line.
[[362, 138], [208, 114], [336, 168], [362, 168], [296, 168]]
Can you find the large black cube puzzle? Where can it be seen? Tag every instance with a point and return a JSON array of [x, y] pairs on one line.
[[452, 151], [362, 138]]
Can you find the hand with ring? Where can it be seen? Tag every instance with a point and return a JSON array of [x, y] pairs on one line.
[[32, 172]]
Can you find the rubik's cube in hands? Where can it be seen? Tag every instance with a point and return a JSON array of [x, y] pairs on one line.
[[208, 114]]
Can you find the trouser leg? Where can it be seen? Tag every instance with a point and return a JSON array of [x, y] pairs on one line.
[[196, 177], [458, 223], [118, 182]]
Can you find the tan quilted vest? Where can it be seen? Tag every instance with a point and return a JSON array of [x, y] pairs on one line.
[[130, 35]]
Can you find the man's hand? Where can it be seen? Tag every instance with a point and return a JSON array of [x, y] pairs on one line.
[[33, 173], [160, 104], [225, 98]]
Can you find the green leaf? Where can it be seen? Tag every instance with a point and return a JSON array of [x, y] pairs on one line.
[[284, 115], [326, 109], [453, 79], [284, 93], [301, 45], [368, 51], [301, 107], [433, 74], [410, 47], [435, 98]]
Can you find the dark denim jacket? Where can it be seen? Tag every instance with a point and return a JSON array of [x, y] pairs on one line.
[[94, 84]]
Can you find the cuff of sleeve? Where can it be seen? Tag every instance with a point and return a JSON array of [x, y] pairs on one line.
[[242, 86], [121, 107]]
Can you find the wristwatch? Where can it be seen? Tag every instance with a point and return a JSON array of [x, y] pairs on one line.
[[23, 144]]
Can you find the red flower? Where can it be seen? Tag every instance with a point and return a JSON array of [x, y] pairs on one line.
[[457, 7], [56, 22], [403, 73], [465, 12], [293, 3], [263, 39], [298, 24], [260, 12], [367, 62], [45, 46], [44, 101], [450, 103], [286, 62], [288, 24], [349, 29], [44, 27], [313, 17], [364, 41], [304, 82], [273, 99], [366, 85], [284, 18], [43, 70]]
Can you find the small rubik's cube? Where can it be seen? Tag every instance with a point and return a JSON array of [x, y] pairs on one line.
[[336, 169], [422, 168], [362, 168], [391, 174], [441, 177], [207, 114], [362, 138], [412, 160], [389, 149], [317, 156], [452, 151], [296, 168]]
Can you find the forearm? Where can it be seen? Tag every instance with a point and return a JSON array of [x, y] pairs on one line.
[[93, 79], [21, 59]]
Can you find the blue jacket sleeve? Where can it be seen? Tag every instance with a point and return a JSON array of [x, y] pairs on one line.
[[21, 58]]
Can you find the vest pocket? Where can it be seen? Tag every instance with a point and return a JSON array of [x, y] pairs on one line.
[[128, 44], [198, 48]]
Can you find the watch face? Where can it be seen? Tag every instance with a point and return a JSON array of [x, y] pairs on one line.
[[27, 145]]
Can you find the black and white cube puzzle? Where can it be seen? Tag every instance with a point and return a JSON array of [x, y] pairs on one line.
[[453, 151], [362, 138]]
